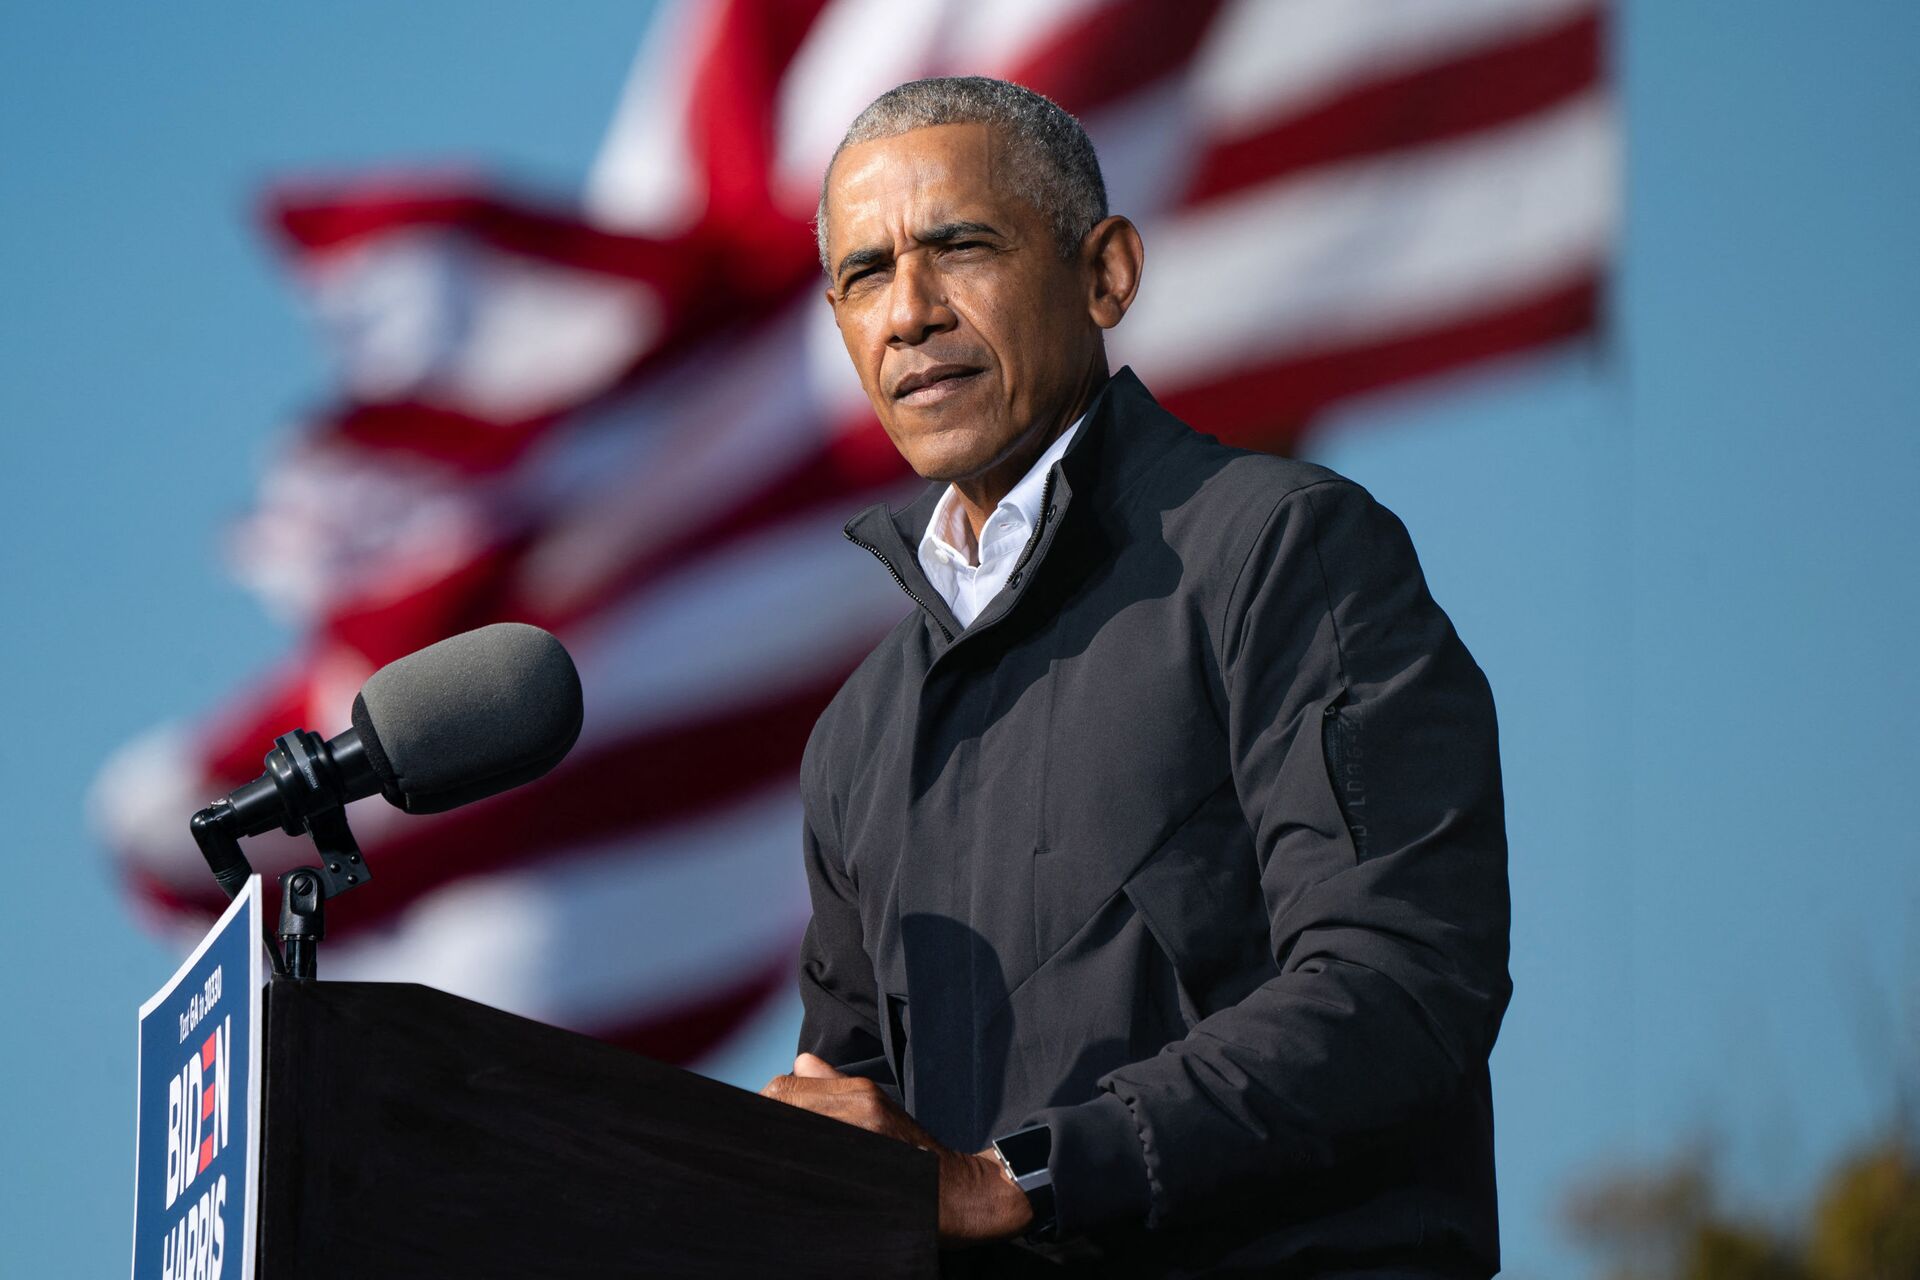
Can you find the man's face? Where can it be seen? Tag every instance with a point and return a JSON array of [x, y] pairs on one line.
[[970, 335]]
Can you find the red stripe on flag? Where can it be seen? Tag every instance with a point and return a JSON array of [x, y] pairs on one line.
[[234, 745], [1269, 406], [460, 440], [730, 122], [827, 482], [672, 774], [1114, 50], [703, 280], [381, 626], [1482, 90], [685, 1032], [325, 219]]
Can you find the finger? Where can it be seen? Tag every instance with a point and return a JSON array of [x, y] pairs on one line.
[[814, 1068], [838, 1106], [850, 1099]]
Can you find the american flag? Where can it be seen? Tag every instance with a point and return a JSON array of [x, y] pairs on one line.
[[628, 418]]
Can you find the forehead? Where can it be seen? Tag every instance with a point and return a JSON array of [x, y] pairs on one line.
[[942, 173]]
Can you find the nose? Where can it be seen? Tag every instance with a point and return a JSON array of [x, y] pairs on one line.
[[917, 306]]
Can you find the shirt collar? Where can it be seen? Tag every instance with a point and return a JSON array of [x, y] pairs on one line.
[[947, 529]]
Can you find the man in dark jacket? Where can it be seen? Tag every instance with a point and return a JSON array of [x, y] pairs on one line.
[[1157, 856]]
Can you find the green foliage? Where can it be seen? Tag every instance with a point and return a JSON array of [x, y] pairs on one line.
[[1866, 1225], [1669, 1223]]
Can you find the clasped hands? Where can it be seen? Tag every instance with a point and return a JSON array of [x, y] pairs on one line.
[[978, 1202]]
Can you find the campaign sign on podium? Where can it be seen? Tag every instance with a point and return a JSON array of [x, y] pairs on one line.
[[197, 1142]]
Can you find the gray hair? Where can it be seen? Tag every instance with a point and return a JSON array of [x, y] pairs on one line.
[[1051, 158]]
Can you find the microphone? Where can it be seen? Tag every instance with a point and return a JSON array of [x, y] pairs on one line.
[[469, 717]]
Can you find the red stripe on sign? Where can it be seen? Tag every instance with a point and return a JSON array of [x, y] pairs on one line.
[[207, 1052], [683, 1033], [1482, 90], [1269, 406], [206, 1153], [1114, 50]]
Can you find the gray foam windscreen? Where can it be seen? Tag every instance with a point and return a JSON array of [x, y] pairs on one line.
[[470, 716]]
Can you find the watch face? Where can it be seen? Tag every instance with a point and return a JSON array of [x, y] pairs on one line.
[[1027, 1149]]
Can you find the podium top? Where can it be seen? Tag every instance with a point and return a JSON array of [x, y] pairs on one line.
[[412, 1133]]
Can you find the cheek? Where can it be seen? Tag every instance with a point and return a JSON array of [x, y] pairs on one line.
[[860, 336], [1028, 339]]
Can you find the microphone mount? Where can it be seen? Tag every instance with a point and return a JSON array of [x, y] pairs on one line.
[[307, 783]]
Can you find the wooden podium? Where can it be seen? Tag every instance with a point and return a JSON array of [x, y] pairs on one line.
[[410, 1133]]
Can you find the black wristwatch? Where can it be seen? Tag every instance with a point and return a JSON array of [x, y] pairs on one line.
[[1024, 1154]]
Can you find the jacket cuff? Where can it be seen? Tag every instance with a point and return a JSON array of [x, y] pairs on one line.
[[1098, 1167]]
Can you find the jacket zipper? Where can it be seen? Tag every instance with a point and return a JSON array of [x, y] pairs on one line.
[[1039, 527], [901, 582], [1013, 578]]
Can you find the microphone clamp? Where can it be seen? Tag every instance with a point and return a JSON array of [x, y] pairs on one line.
[[304, 789]]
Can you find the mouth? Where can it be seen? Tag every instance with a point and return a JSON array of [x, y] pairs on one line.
[[935, 383]]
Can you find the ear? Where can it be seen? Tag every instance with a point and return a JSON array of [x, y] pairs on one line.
[[1113, 257]]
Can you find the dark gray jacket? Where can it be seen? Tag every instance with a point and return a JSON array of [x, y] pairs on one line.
[[1191, 847]]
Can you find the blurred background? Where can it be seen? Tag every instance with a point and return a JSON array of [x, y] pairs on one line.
[[333, 331]]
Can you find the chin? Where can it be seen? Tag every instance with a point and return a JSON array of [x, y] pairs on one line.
[[953, 454]]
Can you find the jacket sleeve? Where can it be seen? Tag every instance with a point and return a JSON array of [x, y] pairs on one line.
[[837, 990], [1365, 757]]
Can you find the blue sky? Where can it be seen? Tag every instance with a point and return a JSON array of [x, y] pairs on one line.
[[1686, 561]]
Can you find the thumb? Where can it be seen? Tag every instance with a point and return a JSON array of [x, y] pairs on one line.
[[808, 1065]]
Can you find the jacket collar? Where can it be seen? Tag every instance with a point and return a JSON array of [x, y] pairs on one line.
[[1124, 433]]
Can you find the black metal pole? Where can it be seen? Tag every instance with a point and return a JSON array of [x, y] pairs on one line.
[[303, 920]]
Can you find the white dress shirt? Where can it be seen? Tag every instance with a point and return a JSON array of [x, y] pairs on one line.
[[967, 575]]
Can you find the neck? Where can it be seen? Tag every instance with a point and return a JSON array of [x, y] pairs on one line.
[[980, 494]]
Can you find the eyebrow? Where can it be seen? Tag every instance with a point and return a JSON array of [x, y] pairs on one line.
[[943, 233]]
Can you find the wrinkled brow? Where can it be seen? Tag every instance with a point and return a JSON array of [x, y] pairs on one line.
[[943, 233]]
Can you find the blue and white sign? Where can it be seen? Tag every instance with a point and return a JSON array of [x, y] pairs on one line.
[[197, 1133]]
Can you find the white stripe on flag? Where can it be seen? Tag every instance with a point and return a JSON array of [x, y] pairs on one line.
[[1364, 248], [625, 477], [824, 88], [333, 521], [645, 179], [1264, 58], [427, 314], [773, 612]]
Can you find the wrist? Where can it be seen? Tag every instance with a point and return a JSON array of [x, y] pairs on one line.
[[1013, 1210], [1025, 1157], [977, 1202]]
